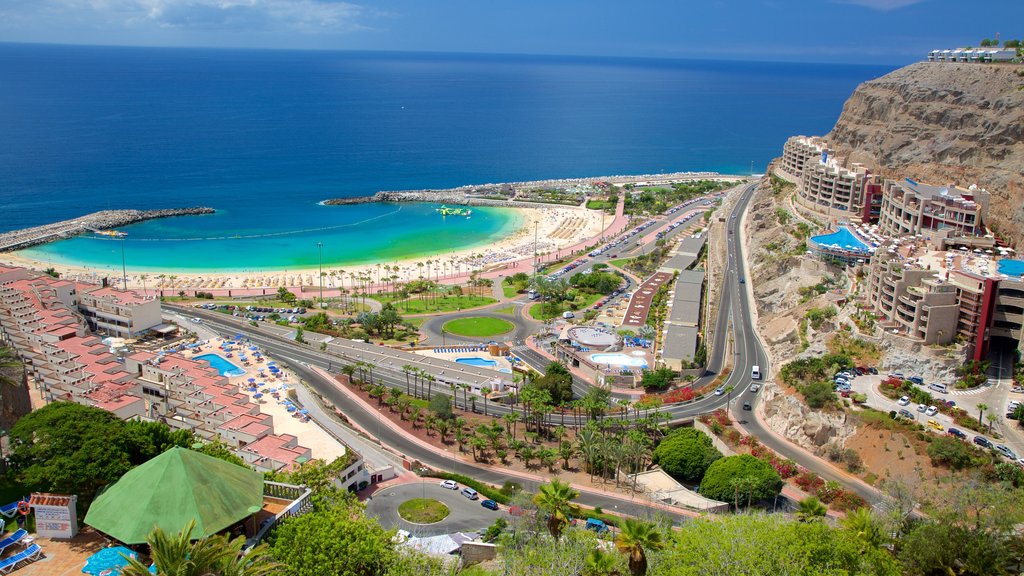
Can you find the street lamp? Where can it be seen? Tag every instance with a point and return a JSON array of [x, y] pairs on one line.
[[320, 251]]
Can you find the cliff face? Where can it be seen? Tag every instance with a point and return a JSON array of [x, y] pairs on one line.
[[944, 124]]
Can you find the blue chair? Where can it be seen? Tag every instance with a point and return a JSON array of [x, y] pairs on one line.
[[12, 539], [30, 554], [9, 510]]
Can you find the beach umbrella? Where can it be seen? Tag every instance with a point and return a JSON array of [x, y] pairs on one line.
[[252, 379], [290, 407], [108, 560], [258, 395], [304, 411], [253, 348]]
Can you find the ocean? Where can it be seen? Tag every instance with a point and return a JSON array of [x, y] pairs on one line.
[[263, 136]]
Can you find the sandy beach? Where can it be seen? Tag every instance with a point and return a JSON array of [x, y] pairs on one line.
[[555, 228]]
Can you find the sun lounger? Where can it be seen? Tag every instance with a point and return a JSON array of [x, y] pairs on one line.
[[30, 554], [12, 539], [9, 510]]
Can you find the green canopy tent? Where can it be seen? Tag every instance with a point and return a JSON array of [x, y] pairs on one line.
[[173, 489]]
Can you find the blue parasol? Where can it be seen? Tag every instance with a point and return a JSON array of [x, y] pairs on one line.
[[109, 560], [258, 395]]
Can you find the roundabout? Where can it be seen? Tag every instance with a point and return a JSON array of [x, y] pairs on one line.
[[423, 511], [478, 326], [464, 515]]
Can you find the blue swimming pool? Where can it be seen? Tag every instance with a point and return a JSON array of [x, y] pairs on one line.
[[221, 365], [477, 361], [843, 238], [1011, 267]]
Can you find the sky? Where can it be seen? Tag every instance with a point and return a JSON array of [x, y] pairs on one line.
[[853, 31]]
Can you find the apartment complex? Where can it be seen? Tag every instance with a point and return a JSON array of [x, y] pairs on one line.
[[40, 318], [798, 151], [973, 55], [827, 186], [945, 296], [910, 208], [125, 314]]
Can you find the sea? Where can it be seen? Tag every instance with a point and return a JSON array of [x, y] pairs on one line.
[[264, 136]]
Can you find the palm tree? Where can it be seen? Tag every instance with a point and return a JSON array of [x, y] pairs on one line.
[[485, 391], [981, 412], [811, 509], [862, 524], [556, 499], [992, 419], [635, 539], [177, 555], [599, 563]]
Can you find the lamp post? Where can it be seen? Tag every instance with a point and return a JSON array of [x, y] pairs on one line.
[[124, 269], [320, 253]]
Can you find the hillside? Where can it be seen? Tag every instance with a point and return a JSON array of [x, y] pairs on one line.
[[944, 123]]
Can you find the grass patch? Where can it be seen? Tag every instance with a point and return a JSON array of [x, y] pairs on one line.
[[548, 310], [423, 511], [509, 291], [862, 352], [478, 326], [620, 262], [441, 304], [599, 205], [509, 310]]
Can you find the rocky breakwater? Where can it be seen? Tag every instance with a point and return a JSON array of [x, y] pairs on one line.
[[103, 220], [453, 196], [943, 123]]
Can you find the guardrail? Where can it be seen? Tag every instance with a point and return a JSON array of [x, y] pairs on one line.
[[301, 503]]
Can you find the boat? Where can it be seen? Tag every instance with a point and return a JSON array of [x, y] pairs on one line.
[[446, 211], [111, 233]]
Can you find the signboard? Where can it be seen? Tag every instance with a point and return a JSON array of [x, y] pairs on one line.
[[55, 515]]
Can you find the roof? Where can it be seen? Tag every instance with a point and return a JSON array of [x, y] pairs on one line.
[[690, 277], [680, 342], [173, 489], [679, 262], [691, 245]]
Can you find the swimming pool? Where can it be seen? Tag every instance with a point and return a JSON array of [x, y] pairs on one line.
[[1011, 267], [477, 361], [223, 366], [619, 360], [842, 238]]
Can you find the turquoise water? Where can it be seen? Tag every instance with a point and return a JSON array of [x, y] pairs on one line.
[[350, 234], [221, 365], [619, 360], [841, 237], [477, 361], [1011, 267]]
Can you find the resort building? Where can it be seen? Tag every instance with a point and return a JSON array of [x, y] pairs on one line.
[[944, 214], [38, 318], [125, 314], [828, 187], [797, 152], [938, 297], [973, 55]]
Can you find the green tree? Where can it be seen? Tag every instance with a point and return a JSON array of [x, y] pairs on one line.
[[177, 555], [556, 499], [865, 528], [335, 538], [718, 482], [954, 453], [557, 381], [686, 454], [634, 540], [441, 406], [600, 563], [657, 379]]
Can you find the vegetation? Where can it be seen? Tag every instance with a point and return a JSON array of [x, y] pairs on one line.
[[478, 326], [655, 200], [423, 511], [817, 316], [808, 292], [686, 454], [177, 555], [554, 387], [556, 500], [740, 478], [812, 377], [657, 379]]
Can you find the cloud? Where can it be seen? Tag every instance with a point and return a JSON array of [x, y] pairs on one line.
[[881, 5], [296, 16]]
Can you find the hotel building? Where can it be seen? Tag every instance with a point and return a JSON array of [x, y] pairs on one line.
[[42, 318], [797, 152], [909, 208], [911, 300]]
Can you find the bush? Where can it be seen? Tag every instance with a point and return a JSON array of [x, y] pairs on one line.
[[686, 454], [485, 489], [441, 406], [742, 478], [954, 453]]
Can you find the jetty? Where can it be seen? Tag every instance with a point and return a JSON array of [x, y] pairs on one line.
[[95, 222], [526, 194]]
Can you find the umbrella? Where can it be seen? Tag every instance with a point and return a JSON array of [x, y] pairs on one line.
[[303, 411], [252, 379], [253, 348], [258, 395], [291, 408], [109, 560]]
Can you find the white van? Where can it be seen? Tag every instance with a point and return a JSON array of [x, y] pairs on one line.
[[938, 387], [755, 372], [470, 493], [568, 315]]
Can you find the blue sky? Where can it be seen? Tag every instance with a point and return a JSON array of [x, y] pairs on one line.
[[869, 31]]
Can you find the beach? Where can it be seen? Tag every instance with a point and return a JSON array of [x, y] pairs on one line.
[[555, 228]]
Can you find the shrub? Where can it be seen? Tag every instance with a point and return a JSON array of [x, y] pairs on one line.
[[846, 501], [485, 489], [741, 477], [686, 454], [809, 482], [953, 453]]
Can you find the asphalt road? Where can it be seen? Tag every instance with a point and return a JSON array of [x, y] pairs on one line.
[[464, 515]]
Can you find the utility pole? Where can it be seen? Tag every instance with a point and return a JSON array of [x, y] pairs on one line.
[[124, 269], [320, 250]]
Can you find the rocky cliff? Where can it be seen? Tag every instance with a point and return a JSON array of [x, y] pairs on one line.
[[944, 124]]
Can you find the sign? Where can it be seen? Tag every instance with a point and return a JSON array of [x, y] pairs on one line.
[[55, 514]]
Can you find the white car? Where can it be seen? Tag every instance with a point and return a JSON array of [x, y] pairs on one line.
[[450, 484], [903, 401], [921, 407], [754, 388], [931, 411]]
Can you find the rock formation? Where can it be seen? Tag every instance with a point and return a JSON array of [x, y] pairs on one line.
[[944, 124]]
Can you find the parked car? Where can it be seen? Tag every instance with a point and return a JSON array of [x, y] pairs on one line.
[[596, 525], [982, 441], [957, 432], [489, 504], [872, 370], [1005, 451], [907, 414], [921, 408], [917, 380], [931, 411], [933, 423], [470, 493], [903, 401], [449, 484]]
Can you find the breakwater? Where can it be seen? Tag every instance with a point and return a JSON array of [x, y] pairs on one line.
[[103, 220], [518, 193]]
